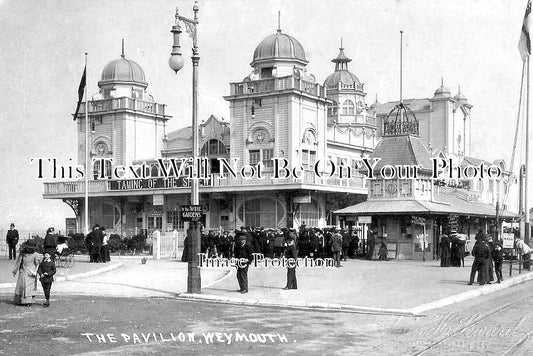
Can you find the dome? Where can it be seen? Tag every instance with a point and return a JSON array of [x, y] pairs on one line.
[[279, 46], [460, 98], [123, 70], [341, 76], [442, 91], [341, 73]]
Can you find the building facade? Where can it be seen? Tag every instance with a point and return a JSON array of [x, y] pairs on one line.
[[297, 133]]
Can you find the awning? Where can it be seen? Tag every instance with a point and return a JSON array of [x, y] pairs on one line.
[[443, 204]]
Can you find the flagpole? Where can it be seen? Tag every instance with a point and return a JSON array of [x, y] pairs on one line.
[[526, 194], [86, 153]]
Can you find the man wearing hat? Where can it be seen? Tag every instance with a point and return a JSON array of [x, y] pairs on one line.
[[12, 239], [243, 252], [336, 246], [497, 257]]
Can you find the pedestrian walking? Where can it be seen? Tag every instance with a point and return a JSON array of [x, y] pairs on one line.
[[497, 257], [481, 252], [46, 272], [445, 248], [12, 239], [26, 267], [243, 254], [104, 251], [345, 245], [97, 239], [291, 253], [336, 246], [371, 242], [525, 250]]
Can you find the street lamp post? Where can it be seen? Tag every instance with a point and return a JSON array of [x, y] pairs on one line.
[[194, 282]]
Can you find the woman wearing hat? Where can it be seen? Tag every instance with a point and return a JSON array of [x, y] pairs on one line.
[[26, 266]]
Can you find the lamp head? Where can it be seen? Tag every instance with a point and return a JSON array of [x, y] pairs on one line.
[[176, 62]]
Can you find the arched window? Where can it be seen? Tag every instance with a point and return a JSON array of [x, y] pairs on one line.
[[348, 107], [97, 172]]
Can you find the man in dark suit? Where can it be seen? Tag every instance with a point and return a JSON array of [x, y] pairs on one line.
[[243, 253], [12, 239], [336, 246], [371, 242], [291, 253]]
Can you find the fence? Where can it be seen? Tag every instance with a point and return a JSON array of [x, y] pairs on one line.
[[170, 244], [23, 236]]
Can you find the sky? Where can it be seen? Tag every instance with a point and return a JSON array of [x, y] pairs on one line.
[[467, 43]]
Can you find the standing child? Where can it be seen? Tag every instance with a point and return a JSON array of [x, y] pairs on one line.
[[46, 272]]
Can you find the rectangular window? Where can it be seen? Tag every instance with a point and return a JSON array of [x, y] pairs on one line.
[[308, 159], [305, 159], [173, 220], [376, 189], [224, 222], [312, 158], [267, 158], [255, 157]]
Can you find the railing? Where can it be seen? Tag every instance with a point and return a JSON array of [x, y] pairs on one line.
[[272, 84], [307, 177], [97, 106], [341, 86], [95, 186]]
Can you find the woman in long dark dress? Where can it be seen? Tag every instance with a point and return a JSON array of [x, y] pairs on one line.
[[26, 266]]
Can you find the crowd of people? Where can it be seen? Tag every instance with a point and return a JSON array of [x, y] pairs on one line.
[[309, 242], [336, 243], [452, 250]]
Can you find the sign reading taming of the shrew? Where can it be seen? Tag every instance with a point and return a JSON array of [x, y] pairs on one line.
[[191, 212]]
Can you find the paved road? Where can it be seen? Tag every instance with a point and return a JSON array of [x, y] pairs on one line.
[[87, 325]]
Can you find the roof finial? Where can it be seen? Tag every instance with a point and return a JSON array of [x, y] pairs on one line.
[[442, 81], [122, 55], [279, 21], [459, 89], [341, 44]]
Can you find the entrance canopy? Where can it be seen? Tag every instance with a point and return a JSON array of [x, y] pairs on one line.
[[441, 204]]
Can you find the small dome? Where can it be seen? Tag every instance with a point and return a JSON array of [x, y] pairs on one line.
[[341, 76], [341, 73], [123, 70], [443, 91], [460, 98], [279, 46]]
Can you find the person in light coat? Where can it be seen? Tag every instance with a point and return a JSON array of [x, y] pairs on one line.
[[26, 267]]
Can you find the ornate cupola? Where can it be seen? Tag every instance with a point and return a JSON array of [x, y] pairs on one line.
[[342, 75]]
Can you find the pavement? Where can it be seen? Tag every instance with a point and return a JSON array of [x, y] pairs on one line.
[[375, 287]]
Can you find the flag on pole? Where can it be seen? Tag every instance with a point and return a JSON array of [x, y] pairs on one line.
[[81, 90], [524, 44]]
